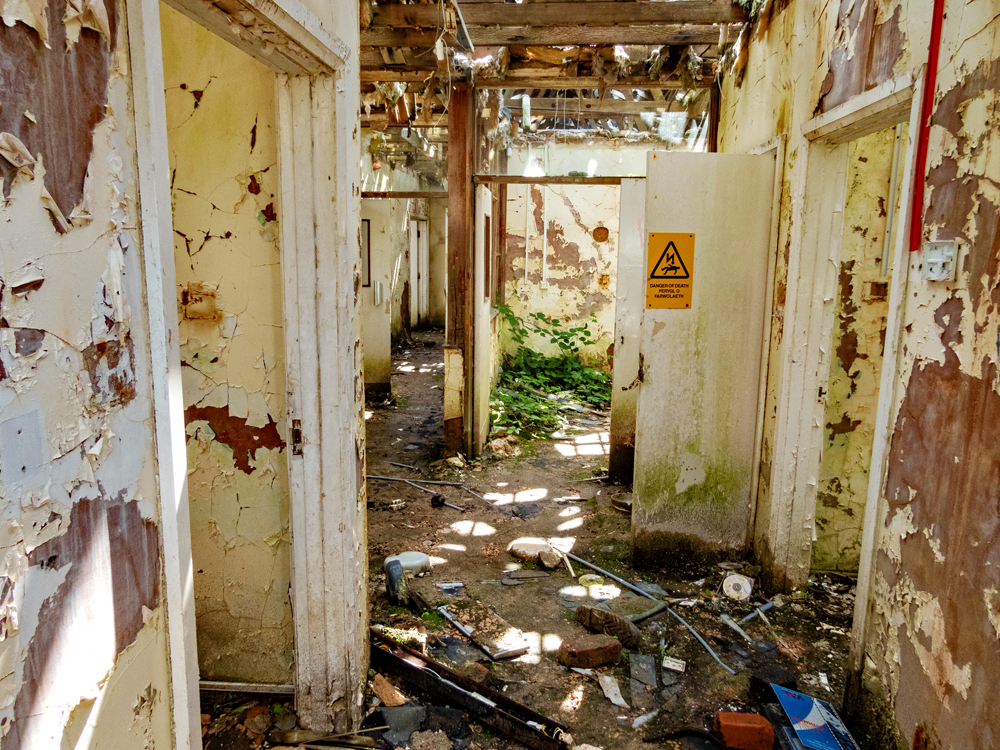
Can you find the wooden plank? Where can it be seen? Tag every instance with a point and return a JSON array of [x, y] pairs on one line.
[[576, 108], [461, 130], [515, 179], [169, 448], [405, 194], [556, 36], [554, 14], [393, 76], [582, 83], [876, 109]]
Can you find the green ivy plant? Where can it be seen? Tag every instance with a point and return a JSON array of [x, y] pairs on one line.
[[535, 389]]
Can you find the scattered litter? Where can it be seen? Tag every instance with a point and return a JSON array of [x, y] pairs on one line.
[[731, 565], [732, 623], [528, 548], [757, 611], [594, 479], [396, 587], [438, 501], [816, 722], [832, 629], [640, 721], [586, 747], [824, 680], [526, 574], [737, 587], [585, 672], [427, 543], [611, 690], [412, 447], [403, 466], [602, 621], [651, 588], [397, 505], [608, 548], [481, 703], [622, 502], [701, 641], [642, 667], [451, 588], [457, 461], [590, 579], [386, 692], [491, 633], [674, 665], [412, 562]]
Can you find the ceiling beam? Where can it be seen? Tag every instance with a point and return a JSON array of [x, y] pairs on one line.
[[557, 36], [576, 108], [582, 83], [555, 14]]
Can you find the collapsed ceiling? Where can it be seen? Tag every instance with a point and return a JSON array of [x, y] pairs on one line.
[[631, 69]]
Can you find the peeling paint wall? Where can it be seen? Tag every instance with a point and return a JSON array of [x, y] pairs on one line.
[[83, 636], [932, 660], [581, 252], [223, 161], [858, 342]]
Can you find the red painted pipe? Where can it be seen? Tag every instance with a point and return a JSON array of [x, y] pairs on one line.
[[924, 135]]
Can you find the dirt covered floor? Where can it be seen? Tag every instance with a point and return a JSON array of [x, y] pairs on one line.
[[546, 490]]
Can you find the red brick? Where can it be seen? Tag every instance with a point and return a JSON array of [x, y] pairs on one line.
[[586, 651], [744, 731]]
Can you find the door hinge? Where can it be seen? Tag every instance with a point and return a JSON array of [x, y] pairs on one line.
[[296, 437]]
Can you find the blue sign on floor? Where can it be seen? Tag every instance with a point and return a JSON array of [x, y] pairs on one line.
[[815, 722]]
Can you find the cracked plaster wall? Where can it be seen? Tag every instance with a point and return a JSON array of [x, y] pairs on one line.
[[580, 267], [223, 161], [932, 658], [858, 342], [83, 641]]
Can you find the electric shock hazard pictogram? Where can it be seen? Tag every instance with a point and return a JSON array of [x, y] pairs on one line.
[[670, 265], [669, 270]]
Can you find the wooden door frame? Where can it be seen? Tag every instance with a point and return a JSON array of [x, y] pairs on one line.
[[317, 98], [818, 194]]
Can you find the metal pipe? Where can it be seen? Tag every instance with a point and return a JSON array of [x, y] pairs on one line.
[[612, 576], [650, 596], [403, 466], [422, 481], [701, 641]]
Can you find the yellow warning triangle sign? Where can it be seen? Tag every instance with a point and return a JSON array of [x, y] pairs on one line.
[[670, 265]]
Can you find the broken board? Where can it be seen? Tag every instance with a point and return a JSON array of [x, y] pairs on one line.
[[497, 638], [816, 722]]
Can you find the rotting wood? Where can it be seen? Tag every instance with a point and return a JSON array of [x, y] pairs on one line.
[[584, 83], [479, 701], [578, 108], [551, 14], [405, 194], [514, 179], [458, 332], [382, 36]]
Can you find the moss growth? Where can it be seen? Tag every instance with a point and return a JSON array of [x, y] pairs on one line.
[[433, 619]]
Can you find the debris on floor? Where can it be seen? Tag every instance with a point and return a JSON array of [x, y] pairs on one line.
[[542, 553]]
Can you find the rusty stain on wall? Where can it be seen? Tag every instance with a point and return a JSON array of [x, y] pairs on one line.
[[866, 46], [82, 621], [64, 86]]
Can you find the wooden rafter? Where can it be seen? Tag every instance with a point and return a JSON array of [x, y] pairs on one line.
[[557, 36], [555, 14]]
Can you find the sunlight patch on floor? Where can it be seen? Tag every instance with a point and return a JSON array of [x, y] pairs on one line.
[[474, 528]]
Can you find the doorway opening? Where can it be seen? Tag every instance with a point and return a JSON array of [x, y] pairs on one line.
[[870, 225]]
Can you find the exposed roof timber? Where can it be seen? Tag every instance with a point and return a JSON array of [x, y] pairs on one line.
[[576, 109], [393, 76], [284, 36], [552, 14], [582, 83], [558, 36]]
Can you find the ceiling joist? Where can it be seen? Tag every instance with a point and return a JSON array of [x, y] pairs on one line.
[[555, 14], [557, 36]]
